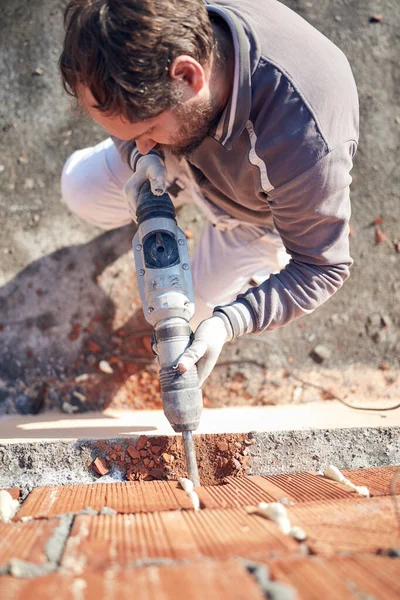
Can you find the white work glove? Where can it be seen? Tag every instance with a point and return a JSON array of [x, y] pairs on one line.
[[149, 167], [209, 339]]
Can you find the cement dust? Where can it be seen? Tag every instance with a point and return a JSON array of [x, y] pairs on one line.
[[188, 486], [333, 473], [276, 512], [8, 506]]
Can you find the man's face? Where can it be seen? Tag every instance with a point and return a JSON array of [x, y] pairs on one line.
[[179, 131]]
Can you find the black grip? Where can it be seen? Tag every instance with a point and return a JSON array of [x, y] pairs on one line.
[[173, 380], [150, 206], [182, 398]]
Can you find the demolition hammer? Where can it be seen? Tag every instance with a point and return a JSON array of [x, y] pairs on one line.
[[166, 291]]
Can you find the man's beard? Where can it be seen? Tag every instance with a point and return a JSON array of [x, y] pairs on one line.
[[195, 124]]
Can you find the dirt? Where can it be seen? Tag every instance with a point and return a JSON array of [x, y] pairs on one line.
[[68, 296], [163, 458]]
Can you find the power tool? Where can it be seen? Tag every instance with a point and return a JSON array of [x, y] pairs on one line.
[[166, 292]]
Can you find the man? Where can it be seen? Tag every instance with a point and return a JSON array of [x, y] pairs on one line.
[[241, 107]]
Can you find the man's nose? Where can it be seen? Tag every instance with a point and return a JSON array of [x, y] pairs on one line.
[[144, 146]]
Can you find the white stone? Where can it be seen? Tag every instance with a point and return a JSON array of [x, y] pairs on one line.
[[8, 506], [105, 367]]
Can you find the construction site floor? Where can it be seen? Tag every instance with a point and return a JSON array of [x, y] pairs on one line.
[[145, 540]]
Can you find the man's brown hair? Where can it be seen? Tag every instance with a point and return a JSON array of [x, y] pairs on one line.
[[122, 50]]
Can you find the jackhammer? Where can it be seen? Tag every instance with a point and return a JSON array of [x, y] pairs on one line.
[[166, 291]]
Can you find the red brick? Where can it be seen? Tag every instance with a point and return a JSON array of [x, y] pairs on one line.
[[377, 480], [93, 347], [45, 502], [237, 492], [271, 490], [353, 525], [121, 539], [100, 541], [249, 491], [384, 570], [133, 453], [211, 579], [340, 578], [25, 541], [142, 441], [100, 466], [308, 487], [124, 497], [233, 532], [133, 497]]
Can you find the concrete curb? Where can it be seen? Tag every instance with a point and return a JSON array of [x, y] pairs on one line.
[[312, 450], [31, 464]]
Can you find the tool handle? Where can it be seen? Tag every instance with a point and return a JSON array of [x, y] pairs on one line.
[[181, 397]]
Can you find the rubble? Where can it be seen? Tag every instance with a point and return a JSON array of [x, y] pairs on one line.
[[380, 236], [320, 353], [376, 18], [105, 367], [100, 466], [69, 408]]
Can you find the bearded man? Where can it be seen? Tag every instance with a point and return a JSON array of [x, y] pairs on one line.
[[240, 107]]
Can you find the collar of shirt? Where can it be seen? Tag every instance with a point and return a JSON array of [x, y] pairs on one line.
[[236, 113]]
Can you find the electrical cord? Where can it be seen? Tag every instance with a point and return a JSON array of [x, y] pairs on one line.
[[292, 373]]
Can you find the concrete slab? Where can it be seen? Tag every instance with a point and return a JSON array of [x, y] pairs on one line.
[[54, 449], [116, 424]]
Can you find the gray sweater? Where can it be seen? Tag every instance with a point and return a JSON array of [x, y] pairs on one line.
[[281, 157]]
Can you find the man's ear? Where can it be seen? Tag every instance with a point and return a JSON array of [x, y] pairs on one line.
[[190, 72]]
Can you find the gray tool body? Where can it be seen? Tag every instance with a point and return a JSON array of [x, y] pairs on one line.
[[166, 291]]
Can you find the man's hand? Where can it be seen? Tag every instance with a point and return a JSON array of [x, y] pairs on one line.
[[149, 167], [209, 338]]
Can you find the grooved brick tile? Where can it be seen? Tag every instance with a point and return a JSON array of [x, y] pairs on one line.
[[237, 492], [25, 541], [97, 541], [338, 578], [15, 492], [353, 525], [234, 532], [203, 579], [124, 497], [307, 487], [377, 480], [385, 570], [45, 502]]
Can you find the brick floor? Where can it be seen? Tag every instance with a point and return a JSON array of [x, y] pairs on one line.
[[124, 497], [377, 480], [337, 578], [153, 548], [214, 580], [98, 541], [353, 525], [25, 541]]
